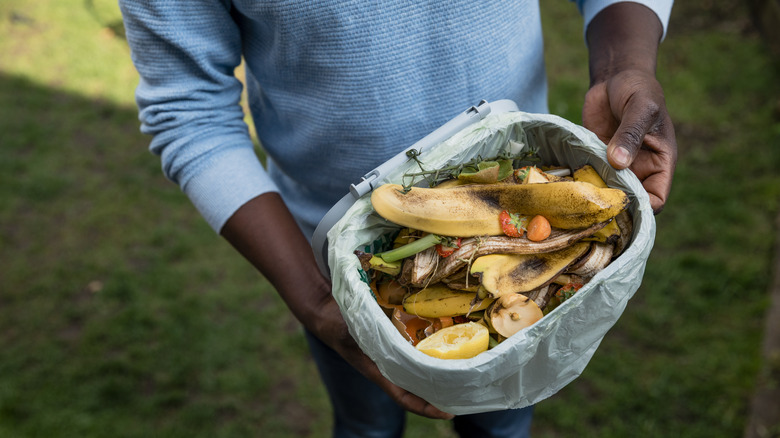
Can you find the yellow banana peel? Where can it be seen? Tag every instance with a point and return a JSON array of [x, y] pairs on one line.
[[473, 210], [439, 300]]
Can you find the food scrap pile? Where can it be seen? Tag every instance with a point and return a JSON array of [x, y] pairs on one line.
[[485, 254]]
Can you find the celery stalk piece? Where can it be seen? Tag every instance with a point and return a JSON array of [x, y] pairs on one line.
[[411, 248]]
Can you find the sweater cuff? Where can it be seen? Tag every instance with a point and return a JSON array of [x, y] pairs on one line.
[[662, 8], [230, 182]]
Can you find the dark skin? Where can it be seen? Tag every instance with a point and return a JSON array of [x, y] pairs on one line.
[[625, 107], [625, 104]]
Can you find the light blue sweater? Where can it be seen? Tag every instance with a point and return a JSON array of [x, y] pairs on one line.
[[335, 87]]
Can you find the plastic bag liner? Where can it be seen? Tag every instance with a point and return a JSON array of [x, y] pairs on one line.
[[536, 362]]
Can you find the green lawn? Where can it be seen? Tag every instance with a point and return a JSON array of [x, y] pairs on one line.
[[123, 315]]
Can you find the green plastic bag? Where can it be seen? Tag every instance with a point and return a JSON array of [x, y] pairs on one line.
[[541, 359]]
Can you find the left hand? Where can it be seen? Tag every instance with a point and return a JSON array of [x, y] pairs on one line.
[[628, 112], [625, 105]]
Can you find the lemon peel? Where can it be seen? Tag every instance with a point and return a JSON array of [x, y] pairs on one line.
[[461, 341]]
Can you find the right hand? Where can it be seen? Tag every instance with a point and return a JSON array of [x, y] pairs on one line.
[[265, 233], [332, 330], [627, 111], [625, 104]]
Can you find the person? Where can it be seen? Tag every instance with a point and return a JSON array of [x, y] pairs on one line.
[[335, 88]]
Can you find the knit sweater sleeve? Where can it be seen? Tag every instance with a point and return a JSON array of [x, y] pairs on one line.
[[188, 99], [590, 8]]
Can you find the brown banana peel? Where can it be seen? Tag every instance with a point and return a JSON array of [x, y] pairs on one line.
[[502, 274], [435, 270]]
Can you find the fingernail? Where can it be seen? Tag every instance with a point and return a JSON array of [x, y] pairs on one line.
[[620, 156]]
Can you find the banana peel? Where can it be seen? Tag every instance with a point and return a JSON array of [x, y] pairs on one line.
[[473, 210], [370, 261], [610, 234], [588, 174], [503, 274], [439, 300]]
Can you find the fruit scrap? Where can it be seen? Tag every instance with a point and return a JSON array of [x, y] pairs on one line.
[[446, 248], [599, 256], [534, 175], [568, 291], [369, 262], [538, 228], [512, 224], [439, 300], [474, 247], [471, 210], [512, 313], [411, 327], [458, 272], [503, 274], [390, 294], [522, 173], [422, 266], [617, 232], [562, 294], [461, 341]]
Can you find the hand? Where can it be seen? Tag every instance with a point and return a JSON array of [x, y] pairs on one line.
[[627, 111], [332, 330], [625, 105], [265, 233]]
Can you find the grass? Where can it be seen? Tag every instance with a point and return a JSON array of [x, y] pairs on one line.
[[682, 360], [123, 315]]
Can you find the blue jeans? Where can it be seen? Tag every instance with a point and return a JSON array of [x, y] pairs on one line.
[[362, 410]]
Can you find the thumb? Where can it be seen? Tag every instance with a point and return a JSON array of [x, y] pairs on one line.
[[619, 156], [624, 145]]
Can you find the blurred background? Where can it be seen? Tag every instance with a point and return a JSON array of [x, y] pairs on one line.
[[122, 314]]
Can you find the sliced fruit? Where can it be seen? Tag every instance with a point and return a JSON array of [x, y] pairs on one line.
[[562, 294], [535, 176], [512, 313], [461, 341], [512, 224], [445, 249]]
